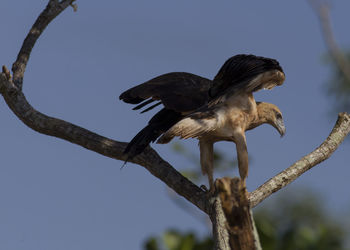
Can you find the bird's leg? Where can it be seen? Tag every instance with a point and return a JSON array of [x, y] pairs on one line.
[[242, 155], [207, 161]]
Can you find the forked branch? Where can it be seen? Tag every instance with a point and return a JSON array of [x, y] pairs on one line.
[[11, 89]]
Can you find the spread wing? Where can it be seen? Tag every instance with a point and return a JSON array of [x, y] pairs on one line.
[[192, 103], [248, 73], [178, 91]]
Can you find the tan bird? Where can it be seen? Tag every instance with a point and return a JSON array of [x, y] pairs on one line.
[[218, 110]]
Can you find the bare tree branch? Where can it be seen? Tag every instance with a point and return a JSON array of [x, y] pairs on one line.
[[11, 89], [218, 219], [323, 152], [322, 11], [41, 123], [53, 9]]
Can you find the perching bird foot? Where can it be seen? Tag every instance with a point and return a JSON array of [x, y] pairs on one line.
[[204, 188], [209, 191]]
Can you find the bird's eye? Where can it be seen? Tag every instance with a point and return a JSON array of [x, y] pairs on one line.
[[279, 116]]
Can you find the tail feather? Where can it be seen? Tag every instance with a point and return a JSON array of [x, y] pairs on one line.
[[159, 124], [141, 141]]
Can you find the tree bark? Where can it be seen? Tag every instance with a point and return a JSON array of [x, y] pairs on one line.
[[218, 219], [236, 207]]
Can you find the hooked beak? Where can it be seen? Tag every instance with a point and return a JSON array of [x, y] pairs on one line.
[[279, 125]]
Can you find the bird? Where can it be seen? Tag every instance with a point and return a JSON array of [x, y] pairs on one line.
[[222, 109]]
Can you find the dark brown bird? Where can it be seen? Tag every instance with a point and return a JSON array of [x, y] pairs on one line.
[[218, 110]]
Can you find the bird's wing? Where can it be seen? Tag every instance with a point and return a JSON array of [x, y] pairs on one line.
[[178, 91], [247, 73], [195, 124]]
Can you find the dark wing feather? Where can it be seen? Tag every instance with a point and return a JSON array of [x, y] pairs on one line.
[[151, 107], [239, 72], [178, 91], [143, 104]]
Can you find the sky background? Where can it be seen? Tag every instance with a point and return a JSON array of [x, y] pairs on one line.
[[56, 195]]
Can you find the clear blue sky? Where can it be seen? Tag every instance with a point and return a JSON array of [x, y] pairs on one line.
[[56, 195]]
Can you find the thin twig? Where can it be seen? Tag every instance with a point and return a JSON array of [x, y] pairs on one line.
[[53, 9], [322, 11]]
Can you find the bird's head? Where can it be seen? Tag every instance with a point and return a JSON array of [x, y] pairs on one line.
[[271, 114]]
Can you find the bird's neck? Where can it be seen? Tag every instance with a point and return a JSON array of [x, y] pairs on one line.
[[260, 118]]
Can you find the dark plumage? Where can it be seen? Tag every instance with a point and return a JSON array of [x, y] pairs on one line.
[[179, 92], [239, 70]]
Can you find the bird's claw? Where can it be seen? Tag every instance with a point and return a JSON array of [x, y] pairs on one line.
[[204, 188], [209, 192]]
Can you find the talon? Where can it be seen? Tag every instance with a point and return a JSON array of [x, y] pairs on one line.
[[204, 188], [6, 72], [209, 192], [74, 6]]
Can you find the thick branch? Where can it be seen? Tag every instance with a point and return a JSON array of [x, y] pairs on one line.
[[102, 145], [218, 220], [11, 89], [235, 204], [323, 152]]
